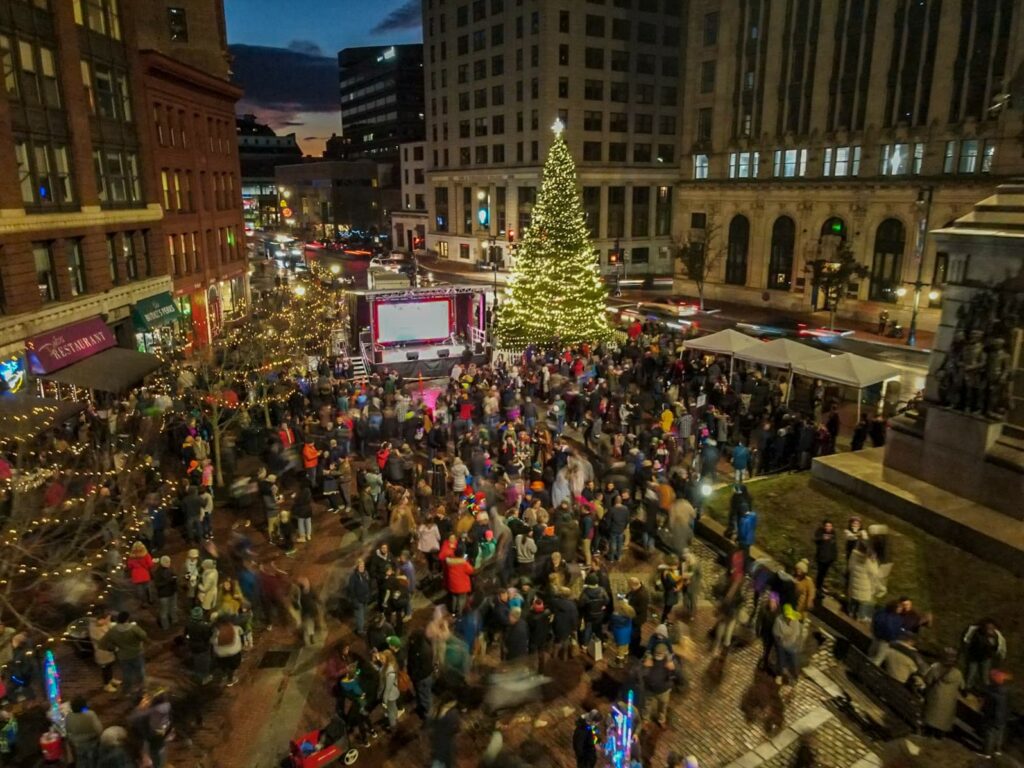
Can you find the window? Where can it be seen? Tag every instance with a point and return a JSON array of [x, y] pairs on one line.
[[619, 92], [663, 212], [620, 61], [704, 124], [711, 28], [594, 26], [968, 156], [76, 267], [498, 153], [479, 10], [462, 74], [497, 66], [667, 125], [639, 255], [641, 153], [617, 152], [616, 212], [7, 71], [497, 124], [743, 165], [441, 208], [165, 185], [102, 16], [563, 87], [646, 33], [666, 153], [736, 254], [780, 261], [670, 66], [534, 56], [645, 63], [789, 163], [901, 159], [463, 129], [462, 45], [563, 55], [497, 34], [593, 90], [177, 25], [618, 122], [43, 173], [643, 123], [592, 151], [117, 176], [620, 29], [46, 275], [111, 89], [593, 121], [593, 58], [707, 76], [131, 261], [480, 98], [38, 77], [464, 251], [668, 96], [480, 126], [464, 101], [479, 40], [701, 165], [592, 209], [886, 265], [480, 69], [563, 22], [841, 161], [480, 155]]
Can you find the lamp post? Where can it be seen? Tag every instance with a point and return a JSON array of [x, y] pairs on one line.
[[618, 262], [924, 205], [494, 271]]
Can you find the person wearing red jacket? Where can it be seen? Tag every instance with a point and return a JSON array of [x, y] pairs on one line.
[[458, 578], [140, 571], [310, 461]]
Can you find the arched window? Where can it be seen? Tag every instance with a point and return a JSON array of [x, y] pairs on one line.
[[736, 258], [887, 264], [780, 264]]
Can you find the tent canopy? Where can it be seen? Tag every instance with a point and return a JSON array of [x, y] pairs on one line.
[[727, 342], [23, 416], [780, 353], [112, 370], [848, 369]]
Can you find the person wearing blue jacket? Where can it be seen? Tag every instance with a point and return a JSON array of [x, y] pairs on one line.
[[623, 616], [746, 529]]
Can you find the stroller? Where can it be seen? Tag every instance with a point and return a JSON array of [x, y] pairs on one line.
[[304, 752]]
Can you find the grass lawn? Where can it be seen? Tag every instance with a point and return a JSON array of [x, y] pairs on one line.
[[956, 586]]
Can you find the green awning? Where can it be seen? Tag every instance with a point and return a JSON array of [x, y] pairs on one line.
[[154, 311]]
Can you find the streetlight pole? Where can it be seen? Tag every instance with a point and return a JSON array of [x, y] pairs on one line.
[[494, 271], [618, 261], [924, 204]]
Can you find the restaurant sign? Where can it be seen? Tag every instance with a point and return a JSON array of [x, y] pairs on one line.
[[61, 347]]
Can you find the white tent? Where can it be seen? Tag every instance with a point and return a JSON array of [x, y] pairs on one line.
[[849, 370], [780, 353], [727, 342]]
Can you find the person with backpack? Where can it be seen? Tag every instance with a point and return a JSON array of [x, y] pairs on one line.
[[198, 634], [593, 604], [227, 650]]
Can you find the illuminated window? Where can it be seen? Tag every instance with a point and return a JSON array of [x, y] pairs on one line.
[[177, 25]]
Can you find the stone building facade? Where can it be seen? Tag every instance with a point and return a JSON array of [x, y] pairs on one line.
[[815, 125]]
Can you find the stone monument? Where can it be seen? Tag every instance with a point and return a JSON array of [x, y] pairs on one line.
[[968, 438]]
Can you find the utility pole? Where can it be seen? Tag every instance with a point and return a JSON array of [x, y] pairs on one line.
[[924, 205]]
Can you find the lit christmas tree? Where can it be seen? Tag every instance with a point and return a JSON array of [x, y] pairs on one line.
[[556, 294]]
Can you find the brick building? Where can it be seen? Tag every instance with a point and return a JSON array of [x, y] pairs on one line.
[[79, 221], [193, 164]]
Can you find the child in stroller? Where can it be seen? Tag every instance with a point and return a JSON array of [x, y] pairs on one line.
[[324, 747]]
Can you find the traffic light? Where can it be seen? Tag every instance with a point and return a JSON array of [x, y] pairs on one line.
[[512, 236]]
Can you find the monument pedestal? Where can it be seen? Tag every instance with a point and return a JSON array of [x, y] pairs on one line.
[[958, 452]]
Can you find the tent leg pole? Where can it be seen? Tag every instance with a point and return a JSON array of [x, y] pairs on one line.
[[789, 389]]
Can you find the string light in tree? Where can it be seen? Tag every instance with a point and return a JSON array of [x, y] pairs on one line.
[[556, 294]]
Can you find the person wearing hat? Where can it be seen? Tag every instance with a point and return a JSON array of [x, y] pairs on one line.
[[166, 582], [198, 632], [803, 586], [788, 632], [659, 677]]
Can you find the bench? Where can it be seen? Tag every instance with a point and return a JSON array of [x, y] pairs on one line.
[[896, 696]]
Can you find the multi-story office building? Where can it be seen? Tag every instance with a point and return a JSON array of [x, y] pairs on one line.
[[80, 229], [194, 162], [409, 225], [816, 125], [328, 198], [381, 92], [260, 151], [499, 73]]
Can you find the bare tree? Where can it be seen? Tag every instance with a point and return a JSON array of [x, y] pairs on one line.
[[832, 277], [699, 256]]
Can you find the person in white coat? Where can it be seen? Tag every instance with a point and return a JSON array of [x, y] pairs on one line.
[[207, 590]]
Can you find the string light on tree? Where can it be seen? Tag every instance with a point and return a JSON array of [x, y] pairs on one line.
[[556, 294]]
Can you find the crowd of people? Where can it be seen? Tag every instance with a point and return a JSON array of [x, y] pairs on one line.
[[505, 503]]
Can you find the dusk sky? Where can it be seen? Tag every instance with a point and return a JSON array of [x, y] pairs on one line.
[[285, 56]]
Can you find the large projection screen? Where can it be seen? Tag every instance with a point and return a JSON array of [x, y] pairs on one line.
[[428, 320]]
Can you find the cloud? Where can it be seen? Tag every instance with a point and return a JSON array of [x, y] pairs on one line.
[[307, 47], [409, 15], [284, 81]]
